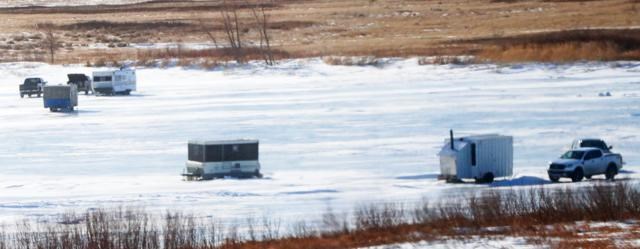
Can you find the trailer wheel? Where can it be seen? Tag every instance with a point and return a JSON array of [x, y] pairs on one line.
[[486, 178], [577, 175], [611, 172]]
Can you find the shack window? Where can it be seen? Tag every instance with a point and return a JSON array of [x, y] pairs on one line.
[[473, 154], [241, 152], [213, 153], [196, 152]]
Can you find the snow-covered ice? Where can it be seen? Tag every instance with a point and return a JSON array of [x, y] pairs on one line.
[[333, 136]]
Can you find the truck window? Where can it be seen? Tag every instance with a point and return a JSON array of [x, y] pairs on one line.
[[473, 154], [593, 154], [32, 81], [572, 154], [597, 154]]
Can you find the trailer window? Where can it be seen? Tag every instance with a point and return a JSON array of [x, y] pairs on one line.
[[473, 154], [101, 78]]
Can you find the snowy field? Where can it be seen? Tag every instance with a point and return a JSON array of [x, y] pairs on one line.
[[331, 136]]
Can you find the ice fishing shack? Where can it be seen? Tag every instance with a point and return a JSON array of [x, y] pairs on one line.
[[216, 159], [479, 157], [60, 98]]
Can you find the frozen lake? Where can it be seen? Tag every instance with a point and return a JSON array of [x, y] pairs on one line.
[[330, 135]]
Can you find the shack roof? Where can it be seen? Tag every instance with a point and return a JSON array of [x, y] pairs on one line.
[[224, 142]]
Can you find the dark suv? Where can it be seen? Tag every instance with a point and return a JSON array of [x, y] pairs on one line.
[[591, 143]]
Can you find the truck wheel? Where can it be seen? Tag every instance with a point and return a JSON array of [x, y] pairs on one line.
[[86, 92], [588, 177], [21, 95], [554, 178], [611, 172], [29, 95], [257, 174], [577, 175], [38, 95], [52, 109]]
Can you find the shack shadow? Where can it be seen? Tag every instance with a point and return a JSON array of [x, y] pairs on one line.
[[74, 113], [418, 177], [521, 181]]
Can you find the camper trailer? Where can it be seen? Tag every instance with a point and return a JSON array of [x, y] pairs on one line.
[[122, 81], [217, 159], [479, 157], [60, 98]]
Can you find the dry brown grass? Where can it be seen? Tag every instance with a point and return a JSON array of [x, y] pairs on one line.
[[386, 28], [561, 218], [562, 46]]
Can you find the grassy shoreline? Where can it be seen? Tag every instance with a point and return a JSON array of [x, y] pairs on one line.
[[552, 217]]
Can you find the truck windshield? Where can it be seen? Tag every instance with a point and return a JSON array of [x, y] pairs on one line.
[[32, 81], [572, 154]]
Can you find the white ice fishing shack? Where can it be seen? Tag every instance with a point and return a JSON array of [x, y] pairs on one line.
[[479, 157], [122, 81]]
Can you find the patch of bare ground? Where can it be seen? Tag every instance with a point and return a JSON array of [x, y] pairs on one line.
[[606, 215], [149, 6]]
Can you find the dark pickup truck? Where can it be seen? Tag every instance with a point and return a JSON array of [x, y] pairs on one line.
[[32, 86], [82, 82]]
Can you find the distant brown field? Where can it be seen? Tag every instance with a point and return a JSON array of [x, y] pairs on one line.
[[496, 30]]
